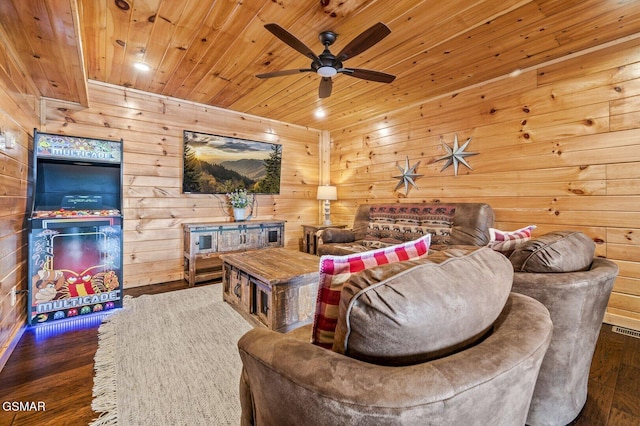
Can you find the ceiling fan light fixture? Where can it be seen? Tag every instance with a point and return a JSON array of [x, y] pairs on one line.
[[327, 71]]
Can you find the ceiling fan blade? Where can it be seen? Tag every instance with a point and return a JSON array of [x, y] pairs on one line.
[[364, 41], [282, 73], [326, 84], [371, 75], [291, 40]]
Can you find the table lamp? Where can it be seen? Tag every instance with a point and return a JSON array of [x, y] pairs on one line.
[[327, 193]]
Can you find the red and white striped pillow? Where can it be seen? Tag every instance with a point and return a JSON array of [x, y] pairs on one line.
[[336, 270], [507, 241]]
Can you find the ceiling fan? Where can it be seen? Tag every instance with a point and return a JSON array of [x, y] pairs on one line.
[[326, 64]]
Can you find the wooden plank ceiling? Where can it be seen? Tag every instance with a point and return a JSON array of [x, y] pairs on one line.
[[209, 51]]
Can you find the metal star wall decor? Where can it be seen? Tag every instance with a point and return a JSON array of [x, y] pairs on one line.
[[407, 177], [456, 155]]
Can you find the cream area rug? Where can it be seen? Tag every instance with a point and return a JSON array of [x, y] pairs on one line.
[[170, 359]]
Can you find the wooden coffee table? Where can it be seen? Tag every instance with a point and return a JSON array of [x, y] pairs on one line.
[[274, 287]]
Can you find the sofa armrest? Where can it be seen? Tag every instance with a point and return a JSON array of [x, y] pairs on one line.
[[337, 235], [289, 365]]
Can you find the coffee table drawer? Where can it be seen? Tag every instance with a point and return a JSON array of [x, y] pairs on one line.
[[236, 287], [283, 307]]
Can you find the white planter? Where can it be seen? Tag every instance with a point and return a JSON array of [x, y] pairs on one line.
[[239, 214]]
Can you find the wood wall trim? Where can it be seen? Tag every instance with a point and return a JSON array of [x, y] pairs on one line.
[[80, 77], [11, 342], [199, 105], [622, 319]]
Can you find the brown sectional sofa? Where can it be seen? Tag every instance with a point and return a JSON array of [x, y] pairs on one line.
[[379, 225], [442, 309], [413, 347]]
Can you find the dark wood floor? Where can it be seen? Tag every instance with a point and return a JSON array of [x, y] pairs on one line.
[[614, 382], [58, 371]]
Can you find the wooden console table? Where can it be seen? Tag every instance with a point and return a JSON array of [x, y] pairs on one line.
[[275, 287], [205, 242]]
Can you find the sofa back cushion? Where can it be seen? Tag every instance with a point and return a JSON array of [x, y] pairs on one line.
[[415, 311], [471, 224], [396, 223], [560, 251], [457, 224], [335, 270]]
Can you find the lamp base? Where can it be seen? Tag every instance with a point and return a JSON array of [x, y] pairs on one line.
[[327, 213]]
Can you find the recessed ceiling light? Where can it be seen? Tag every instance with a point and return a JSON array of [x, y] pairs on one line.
[[320, 113], [141, 66], [271, 135], [384, 131]]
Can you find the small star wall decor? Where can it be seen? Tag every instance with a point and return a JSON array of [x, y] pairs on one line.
[[407, 177], [456, 155]]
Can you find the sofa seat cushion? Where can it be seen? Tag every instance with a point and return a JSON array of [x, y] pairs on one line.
[[396, 233], [369, 244], [346, 249], [452, 250], [560, 251], [335, 270], [418, 310]]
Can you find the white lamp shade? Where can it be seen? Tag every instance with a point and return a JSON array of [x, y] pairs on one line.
[[327, 192]]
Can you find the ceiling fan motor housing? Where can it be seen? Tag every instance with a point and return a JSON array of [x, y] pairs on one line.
[[326, 66]]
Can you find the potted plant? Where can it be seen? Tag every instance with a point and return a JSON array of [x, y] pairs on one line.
[[239, 200]]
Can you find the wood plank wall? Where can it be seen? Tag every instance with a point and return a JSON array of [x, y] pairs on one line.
[[559, 147], [154, 207], [19, 108]]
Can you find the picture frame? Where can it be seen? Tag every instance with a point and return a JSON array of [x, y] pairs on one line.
[[217, 164]]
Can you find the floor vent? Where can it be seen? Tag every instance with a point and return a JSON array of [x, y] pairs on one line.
[[626, 331]]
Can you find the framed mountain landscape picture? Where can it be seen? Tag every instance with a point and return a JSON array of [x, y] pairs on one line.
[[216, 164]]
